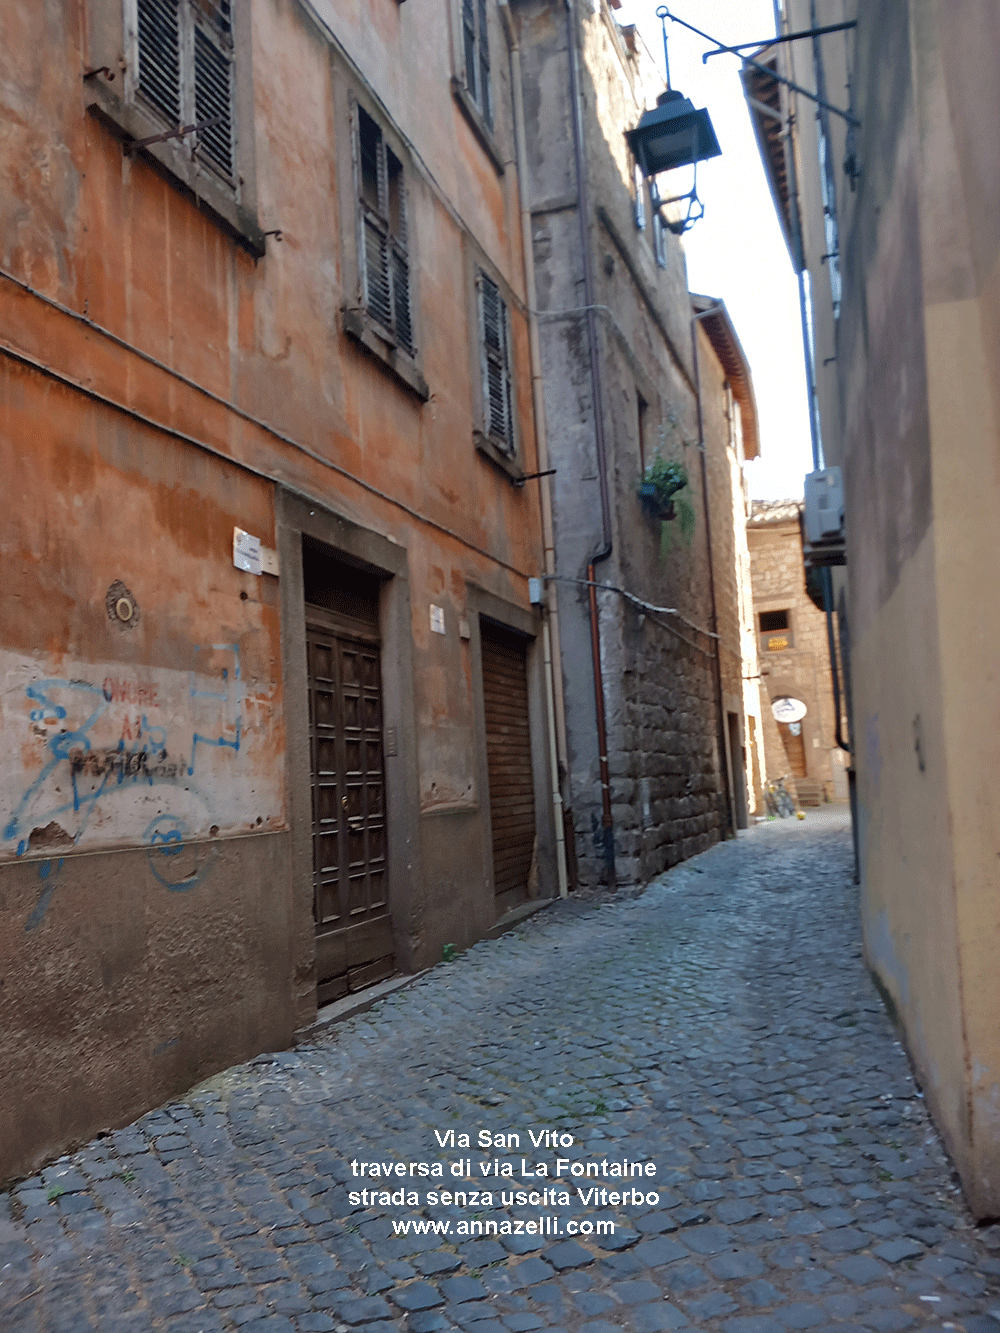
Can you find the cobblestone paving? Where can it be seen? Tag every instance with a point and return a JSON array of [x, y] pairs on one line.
[[721, 1025]]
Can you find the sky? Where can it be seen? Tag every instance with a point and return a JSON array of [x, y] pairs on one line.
[[737, 251]]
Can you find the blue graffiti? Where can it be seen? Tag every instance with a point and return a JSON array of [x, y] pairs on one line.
[[144, 762], [166, 838], [42, 906], [59, 747], [218, 742]]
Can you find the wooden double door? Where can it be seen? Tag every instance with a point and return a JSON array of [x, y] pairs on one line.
[[354, 944]]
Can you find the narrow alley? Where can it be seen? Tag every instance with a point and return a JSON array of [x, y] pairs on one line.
[[720, 1027]]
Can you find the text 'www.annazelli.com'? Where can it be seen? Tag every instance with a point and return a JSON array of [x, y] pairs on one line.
[[505, 1226]]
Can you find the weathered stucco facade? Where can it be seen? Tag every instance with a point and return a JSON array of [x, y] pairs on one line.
[[185, 351], [621, 384], [909, 409]]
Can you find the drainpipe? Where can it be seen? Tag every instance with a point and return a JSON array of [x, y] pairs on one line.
[[720, 710], [555, 710], [800, 266], [583, 209]]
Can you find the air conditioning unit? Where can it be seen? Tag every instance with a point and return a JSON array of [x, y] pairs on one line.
[[823, 519]]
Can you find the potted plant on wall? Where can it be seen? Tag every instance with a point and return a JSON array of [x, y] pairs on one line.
[[660, 482]]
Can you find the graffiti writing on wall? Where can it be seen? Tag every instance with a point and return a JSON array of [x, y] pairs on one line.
[[111, 750]]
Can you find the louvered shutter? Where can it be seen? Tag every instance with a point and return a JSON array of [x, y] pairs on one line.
[[385, 262], [374, 203], [484, 66], [377, 295], [402, 321], [469, 37], [401, 299], [213, 88], [496, 365], [159, 42]]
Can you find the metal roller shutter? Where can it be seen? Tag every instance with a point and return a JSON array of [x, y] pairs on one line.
[[508, 752]]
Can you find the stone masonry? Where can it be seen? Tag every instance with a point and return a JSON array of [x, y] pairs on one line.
[[803, 671]]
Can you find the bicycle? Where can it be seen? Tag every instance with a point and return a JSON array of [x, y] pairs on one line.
[[778, 799]]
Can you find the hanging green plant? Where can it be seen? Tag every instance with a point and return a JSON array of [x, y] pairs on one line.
[[660, 482], [683, 510]]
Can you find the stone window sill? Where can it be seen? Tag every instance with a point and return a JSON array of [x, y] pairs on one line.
[[479, 127], [133, 121], [359, 326], [507, 465]]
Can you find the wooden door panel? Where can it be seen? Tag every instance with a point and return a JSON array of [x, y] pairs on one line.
[[350, 888], [795, 747]]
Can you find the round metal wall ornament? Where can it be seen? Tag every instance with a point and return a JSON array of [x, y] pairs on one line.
[[121, 606], [787, 709]]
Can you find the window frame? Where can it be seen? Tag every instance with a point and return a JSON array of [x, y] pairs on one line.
[[479, 86], [377, 218], [659, 239], [783, 637], [639, 202], [358, 321], [506, 457], [112, 93], [482, 122]]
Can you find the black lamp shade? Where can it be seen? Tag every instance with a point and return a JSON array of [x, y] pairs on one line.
[[672, 135]]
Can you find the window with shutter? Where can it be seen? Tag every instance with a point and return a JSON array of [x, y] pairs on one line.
[[385, 264], [640, 199], [475, 41], [184, 56], [659, 239], [495, 345]]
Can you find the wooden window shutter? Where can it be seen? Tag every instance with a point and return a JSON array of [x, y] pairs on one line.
[[469, 42], [476, 50], [496, 365], [185, 73], [374, 190], [484, 66], [213, 82], [402, 321], [158, 24], [384, 260]]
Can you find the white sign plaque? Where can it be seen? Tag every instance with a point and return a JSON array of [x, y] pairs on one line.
[[787, 709], [437, 619], [246, 552]]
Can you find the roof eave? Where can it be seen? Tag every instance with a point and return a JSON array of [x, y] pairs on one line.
[[727, 347]]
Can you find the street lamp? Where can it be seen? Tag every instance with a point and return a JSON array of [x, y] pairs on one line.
[[673, 134]]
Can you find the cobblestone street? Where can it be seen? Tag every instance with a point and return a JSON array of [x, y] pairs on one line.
[[721, 1026]]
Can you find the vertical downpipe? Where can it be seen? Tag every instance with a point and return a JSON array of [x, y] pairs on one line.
[[550, 622], [583, 210]]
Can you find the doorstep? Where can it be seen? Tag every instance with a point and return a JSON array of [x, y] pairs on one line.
[[360, 1001]]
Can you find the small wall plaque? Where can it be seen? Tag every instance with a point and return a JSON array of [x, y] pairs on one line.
[[246, 552]]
